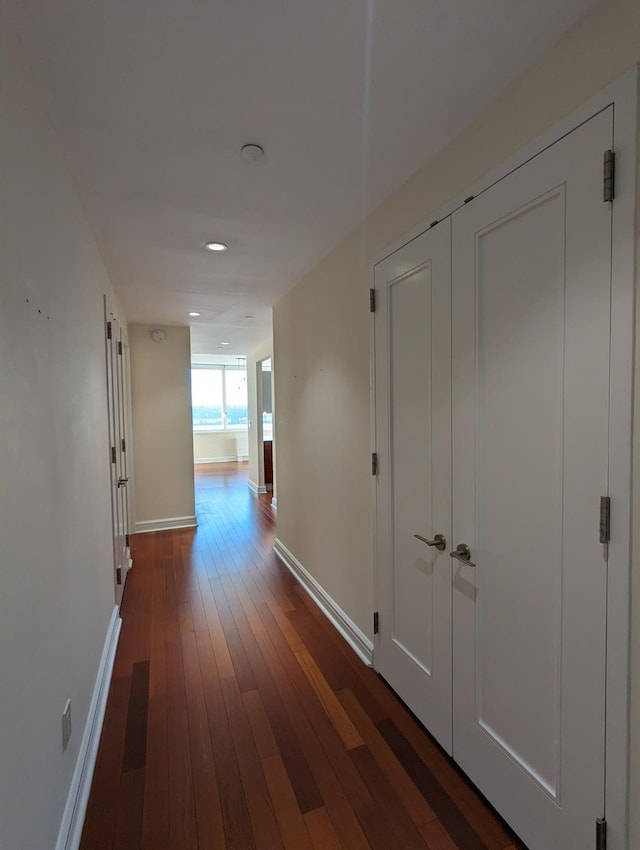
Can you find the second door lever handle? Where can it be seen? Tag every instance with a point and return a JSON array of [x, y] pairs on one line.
[[462, 553], [438, 541]]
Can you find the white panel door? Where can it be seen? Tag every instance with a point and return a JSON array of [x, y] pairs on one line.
[[123, 479], [116, 455], [531, 310], [413, 438]]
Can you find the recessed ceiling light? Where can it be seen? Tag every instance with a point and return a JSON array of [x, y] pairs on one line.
[[215, 246], [225, 343], [252, 152], [248, 317], [195, 314]]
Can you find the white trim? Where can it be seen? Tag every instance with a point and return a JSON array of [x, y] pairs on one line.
[[623, 94], [274, 504], [258, 489], [76, 806], [354, 636], [166, 524], [198, 430], [228, 459]]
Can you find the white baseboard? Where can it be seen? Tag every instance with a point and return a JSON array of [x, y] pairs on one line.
[[76, 807], [354, 636], [166, 524], [255, 488], [229, 459]]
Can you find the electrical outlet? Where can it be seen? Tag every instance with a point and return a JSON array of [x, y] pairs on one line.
[[66, 724]]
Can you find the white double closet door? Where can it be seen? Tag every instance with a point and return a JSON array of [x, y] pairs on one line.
[[492, 340]]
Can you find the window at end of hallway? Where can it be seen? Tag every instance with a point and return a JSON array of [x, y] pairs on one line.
[[219, 398]]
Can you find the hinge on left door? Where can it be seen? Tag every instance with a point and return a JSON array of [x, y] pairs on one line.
[[113, 454], [605, 519], [372, 301], [601, 834], [119, 575], [375, 622], [608, 191], [374, 463], [126, 540]]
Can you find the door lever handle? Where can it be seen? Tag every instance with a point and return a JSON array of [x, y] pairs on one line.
[[438, 541], [122, 481], [462, 553]]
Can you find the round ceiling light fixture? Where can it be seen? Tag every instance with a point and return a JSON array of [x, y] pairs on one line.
[[252, 152], [215, 246], [225, 343], [193, 313]]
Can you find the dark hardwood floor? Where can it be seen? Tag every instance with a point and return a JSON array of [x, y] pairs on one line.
[[238, 717]]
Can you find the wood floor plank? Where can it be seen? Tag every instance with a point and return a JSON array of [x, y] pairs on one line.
[[219, 728], [474, 810], [263, 736], [332, 654], [292, 827], [437, 837], [323, 835], [128, 831], [155, 825], [157, 655], [388, 805], [414, 802], [264, 822], [235, 813], [239, 718], [463, 834], [135, 740], [220, 648], [182, 815], [241, 666], [345, 728], [205, 781]]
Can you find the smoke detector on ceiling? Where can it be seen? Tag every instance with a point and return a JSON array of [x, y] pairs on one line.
[[252, 152]]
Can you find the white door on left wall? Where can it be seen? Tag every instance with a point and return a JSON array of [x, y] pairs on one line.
[[116, 451]]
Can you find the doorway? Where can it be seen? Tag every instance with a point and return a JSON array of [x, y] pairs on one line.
[[264, 421]]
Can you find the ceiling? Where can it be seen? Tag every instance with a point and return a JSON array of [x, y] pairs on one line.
[[152, 102]]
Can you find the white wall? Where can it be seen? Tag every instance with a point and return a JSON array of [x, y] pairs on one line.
[[321, 327], [162, 426], [56, 554], [216, 447]]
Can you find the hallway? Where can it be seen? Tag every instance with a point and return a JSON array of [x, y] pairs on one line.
[[239, 718]]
